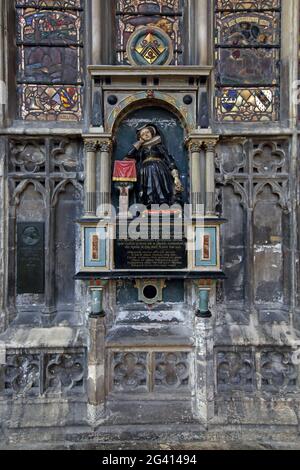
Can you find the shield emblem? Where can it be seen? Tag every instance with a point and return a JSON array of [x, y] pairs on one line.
[[228, 99]]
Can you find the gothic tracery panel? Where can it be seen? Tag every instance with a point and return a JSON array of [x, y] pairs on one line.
[[130, 371], [279, 373], [235, 370]]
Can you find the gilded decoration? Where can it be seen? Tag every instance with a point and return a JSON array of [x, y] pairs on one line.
[[150, 46]]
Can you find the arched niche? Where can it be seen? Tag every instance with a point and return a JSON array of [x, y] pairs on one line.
[[172, 128]]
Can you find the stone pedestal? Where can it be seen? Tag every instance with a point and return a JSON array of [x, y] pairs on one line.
[[96, 370], [204, 371]]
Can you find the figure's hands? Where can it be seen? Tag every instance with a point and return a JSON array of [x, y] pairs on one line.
[[178, 185]]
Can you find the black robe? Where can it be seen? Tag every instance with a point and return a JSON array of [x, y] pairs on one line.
[[156, 183]]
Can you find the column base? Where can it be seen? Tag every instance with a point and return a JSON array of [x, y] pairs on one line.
[[207, 314], [97, 315], [48, 316]]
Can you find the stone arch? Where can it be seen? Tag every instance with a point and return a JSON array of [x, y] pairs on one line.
[[145, 99]]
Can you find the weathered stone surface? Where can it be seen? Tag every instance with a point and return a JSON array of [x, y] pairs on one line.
[[152, 376]]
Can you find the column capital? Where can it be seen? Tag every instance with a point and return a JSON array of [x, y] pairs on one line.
[[195, 146], [210, 144], [105, 145], [90, 145]]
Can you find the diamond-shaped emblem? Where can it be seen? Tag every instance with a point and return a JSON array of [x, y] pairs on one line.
[[150, 45], [150, 48]]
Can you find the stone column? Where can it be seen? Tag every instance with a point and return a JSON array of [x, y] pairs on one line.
[[3, 85], [104, 199], [204, 370], [202, 33], [49, 311], [210, 146], [195, 169], [96, 32], [96, 369], [90, 181]]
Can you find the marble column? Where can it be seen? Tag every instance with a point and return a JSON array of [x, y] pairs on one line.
[[90, 181], [195, 152], [104, 199], [210, 146]]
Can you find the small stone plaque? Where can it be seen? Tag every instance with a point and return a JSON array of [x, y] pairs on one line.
[[30, 258], [157, 253]]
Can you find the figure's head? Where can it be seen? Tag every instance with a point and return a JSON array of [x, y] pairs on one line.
[[147, 133]]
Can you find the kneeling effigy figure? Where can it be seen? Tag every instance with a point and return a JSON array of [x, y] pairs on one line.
[[158, 175]]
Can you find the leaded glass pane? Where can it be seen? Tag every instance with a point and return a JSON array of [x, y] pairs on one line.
[[70, 4], [50, 103], [247, 66], [247, 4], [49, 27], [149, 6], [165, 14], [49, 40], [247, 53], [49, 64], [247, 104], [248, 29]]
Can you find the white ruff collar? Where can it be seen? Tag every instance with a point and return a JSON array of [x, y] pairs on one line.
[[155, 141]]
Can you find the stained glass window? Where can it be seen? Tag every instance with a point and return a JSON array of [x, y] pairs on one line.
[[49, 56], [247, 55], [168, 15]]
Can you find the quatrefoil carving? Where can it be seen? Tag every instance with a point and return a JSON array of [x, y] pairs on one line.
[[268, 158]]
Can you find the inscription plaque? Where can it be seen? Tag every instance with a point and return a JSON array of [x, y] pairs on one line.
[[156, 253], [30, 258]]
